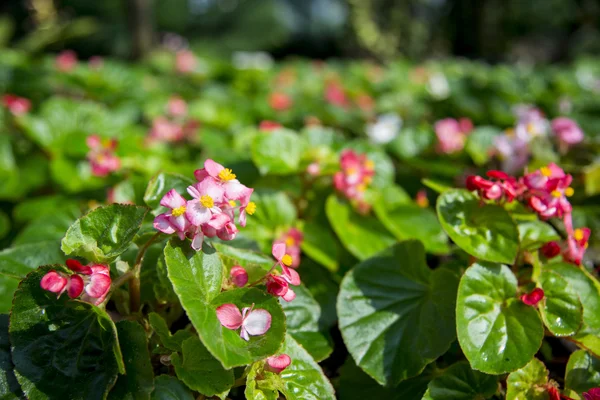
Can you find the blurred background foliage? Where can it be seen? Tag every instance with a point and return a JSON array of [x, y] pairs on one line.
[[492, 30]]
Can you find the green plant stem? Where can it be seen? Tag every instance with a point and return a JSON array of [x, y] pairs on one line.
[[134, 280], [256, 282], [537, 266]]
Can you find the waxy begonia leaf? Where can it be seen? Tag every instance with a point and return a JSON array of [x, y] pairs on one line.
[[561, 308], [168, 387], [9, 387], [485, 231], [387, 306], [4, 224], [583, 372], [171, 342], [199, 370], [278, 152], [497, 332], [363, 236], [302, 316], [104, 233], [460, 382], [138, 381], [303, 379], [534, 234], [261, 384], [256, 264], [480, 142], [197, 278], [319, 244], [160, 185], [588, 290], [273, 209], [61, 348], [528, 383]]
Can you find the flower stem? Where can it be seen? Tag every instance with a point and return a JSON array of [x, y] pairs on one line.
[[256, 282], [134, 280]]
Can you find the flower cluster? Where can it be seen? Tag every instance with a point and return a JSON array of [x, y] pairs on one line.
[[452, 134], [211, 212], [66, 61], [185, 62], [354, 178], [292, 239], [176, 125], [93, 281], [102, 156], [15, 104], [545, 191]]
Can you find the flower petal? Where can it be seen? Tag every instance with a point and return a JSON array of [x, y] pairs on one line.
[[229, 316], [200, 174], [196, 213], [278, 250], [289, 295], [76, 266], [53, 282], [161, 223], [278, 363], [211, 187], [98, 286], [213, 168], [291, 276], [75, 286], [234, 190], [257, 322], [172, 200]]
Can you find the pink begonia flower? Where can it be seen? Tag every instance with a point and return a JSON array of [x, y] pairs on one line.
[[452, 134], [313, 169], [421, 198], [539, 179], [334, 94], [503, 186], [567, 131], [101, 155], [93, 281], [207, 194], [66, 60], [175, 220], [177, 107], [534, 297], [592, 394], [577, 244], [278, 363], [96, 62], [234, 190], [280, 101], [552, 202], [185, 61], [512, 151], [279, 287], [253, 322], [292, 239], [165, 130], [238, 275], [268, 126], [16, 105], [365, 103], [356, 174], [285, 261], [531, 122]]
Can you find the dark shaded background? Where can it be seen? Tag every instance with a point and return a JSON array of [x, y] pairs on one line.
[[491, 30]]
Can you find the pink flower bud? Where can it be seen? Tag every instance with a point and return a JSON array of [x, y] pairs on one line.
[[278, 363], [550, 249], [239, 276], [592, 394], [66, 61], [313, 169], [268, 126], [534, 297], [280, 101], [15, 104]]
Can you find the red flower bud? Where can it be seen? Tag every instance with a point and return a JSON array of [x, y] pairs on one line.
[[551, 249], [534, 297]]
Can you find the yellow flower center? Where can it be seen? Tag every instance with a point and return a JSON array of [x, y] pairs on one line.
[[287, 260], [368, 180], [232, 203], [289, 241], [226, 174], [569, 192], [546, 171], [578, 234], [510, 132], [423, 202], [556, 193], [178, 212], [351, 171], [369, 164], [361, 188], [207, 201], [251, 208], [531, 128]]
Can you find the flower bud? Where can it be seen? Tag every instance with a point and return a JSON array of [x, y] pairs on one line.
[[239, 276], [550, 249], [534, 297], [278, 363]]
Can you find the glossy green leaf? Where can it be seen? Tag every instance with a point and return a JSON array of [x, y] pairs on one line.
[[61, 348], [138, 381], [460, 382], [386, 307], [171, 342], [9, 387], [534, 234], [4, 224], [304, 379], [302, 316], [583, 372], [278, 152], [160, 185], [363, 236], [170, 388], [104, 233], [273, 209], [588, 290], [261, 384], [528, 383], [497, 332], [256, 264], [199, 370], [484, 231], [561, 308], [319, 244], [436, 186]]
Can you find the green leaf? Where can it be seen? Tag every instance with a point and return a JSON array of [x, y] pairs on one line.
[[256, 264], [9, 387], [104, 233], [46, 228], [534, 234], [199, 370], [138, 381], [319, 244], [460, 382], [261, 384], [197, 279], [387, 306], [583, 372], [274, 209], [160, 185], [363, 236], [4, 224], [278, 152], [528, 383], [171, 342], [61, 348], [409, 221], [561, 308], [484, 231], [497, 332], [480, 142], [170, 388], [302, 316], [411, 142], [304, 379], [588, 290], [435, 185]]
